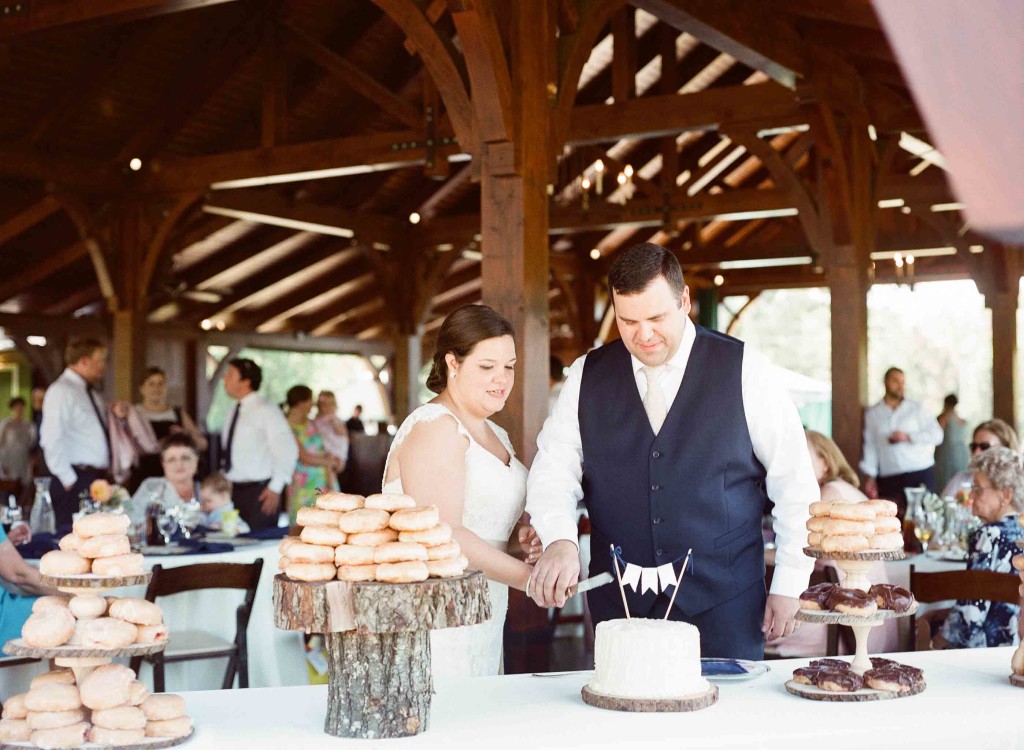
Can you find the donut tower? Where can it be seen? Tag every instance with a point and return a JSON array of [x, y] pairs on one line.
[[375, 575], [88, 701], [855, 536]]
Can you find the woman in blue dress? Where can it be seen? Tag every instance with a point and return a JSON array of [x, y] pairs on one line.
[[16, 607], [998, 495]]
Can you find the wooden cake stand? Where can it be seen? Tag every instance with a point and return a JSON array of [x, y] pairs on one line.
[[378, 644], [855, 565], [683, 703]]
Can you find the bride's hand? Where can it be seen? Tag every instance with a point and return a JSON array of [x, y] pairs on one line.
[[530, 543]]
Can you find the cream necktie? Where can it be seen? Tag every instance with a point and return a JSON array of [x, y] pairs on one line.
[[654, 401]]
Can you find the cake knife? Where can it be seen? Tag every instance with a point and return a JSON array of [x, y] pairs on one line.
[[591, 583]]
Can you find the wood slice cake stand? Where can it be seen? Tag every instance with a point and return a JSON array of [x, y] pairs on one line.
[[646, 705], [153, 743], [814, 693], [378, 644]]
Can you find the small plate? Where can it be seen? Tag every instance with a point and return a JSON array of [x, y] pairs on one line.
[[948, 556], [731, 670]]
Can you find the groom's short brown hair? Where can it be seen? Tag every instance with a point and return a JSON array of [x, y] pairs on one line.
[[641, 264]]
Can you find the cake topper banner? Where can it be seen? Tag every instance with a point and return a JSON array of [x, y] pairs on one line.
[[656, 579]]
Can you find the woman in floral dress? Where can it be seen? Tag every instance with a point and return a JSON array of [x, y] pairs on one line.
[[315, 467]]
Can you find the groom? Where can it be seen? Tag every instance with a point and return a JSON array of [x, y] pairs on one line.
[[674, 437]]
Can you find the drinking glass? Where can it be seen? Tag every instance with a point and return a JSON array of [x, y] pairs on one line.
[[927, 522], [189, 517], [167, 524]]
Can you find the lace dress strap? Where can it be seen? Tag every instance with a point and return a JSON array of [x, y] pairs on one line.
[[425, 413]]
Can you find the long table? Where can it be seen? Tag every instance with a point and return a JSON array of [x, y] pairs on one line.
[[968, 703]]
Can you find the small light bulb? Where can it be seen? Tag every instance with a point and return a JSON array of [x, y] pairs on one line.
[[905, 209], [586, 183], [599, 166], [206, 324], [220, 325], [719, 280], [595, 254], [910, 260], [135, 164], [628, 170], [621, 179], [414, 218]]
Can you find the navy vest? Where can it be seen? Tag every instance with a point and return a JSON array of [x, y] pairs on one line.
[[696, 484]]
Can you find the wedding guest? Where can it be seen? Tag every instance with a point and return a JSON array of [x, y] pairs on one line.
[[164, 420], [74, 434], [450, 454], [951, 455], [215, 500], [15, 608], [998, 495], [179, 461], [332, 430], [355, 422], [989, 434], [17, 435], [259, 451], [314, 469]]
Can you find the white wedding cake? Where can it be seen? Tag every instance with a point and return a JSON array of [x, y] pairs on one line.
[[640, 658]]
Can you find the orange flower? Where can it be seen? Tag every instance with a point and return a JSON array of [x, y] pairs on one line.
[[101, 491]]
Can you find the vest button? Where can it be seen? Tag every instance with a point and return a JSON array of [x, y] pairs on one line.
[[656, 520], [655, 487], [656, 454]]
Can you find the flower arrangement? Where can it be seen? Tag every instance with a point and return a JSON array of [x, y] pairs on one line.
[[104, 496]]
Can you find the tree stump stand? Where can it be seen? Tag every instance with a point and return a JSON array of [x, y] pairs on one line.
[[378, 644]]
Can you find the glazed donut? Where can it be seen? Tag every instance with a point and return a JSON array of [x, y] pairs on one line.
[[822, 508], [817, 523], [882, 508], [390, 502], [431, 537], [138, 611], [892, 679], [839, 680], [120, 717], [54, 719], [53, 697], [347, 554], [63, 563], [317, 517], [330, 536], [310, 553], [116, 737], [287, 542], [1016, 665], [889, 596], [372, 538], [137, 693], [442, 551], [108, 632], [888, 525], [829, 664], [814, 539], [54, 677], [107, 686], [363, 520], [806, 675], [886, 541], [853, 543], [88, 606], [395, 552], [50, 602], [449, 568], [415, 519], [309, 571], [179, 727], [105, 545], [14, 730], [70, 542], [14, 707], [816, 596], [69, 736], [49, 629], [163, 706], [98, 524], [357, 573], [841, 527], [851, 602], [403, 572], [151, 633], [339, 501], [852, 512], [122, 565]]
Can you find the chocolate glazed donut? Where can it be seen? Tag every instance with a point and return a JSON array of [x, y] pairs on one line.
[[893, 597], [852, 598], [829, 664], [840, 680], [817, 595], [893, 679], [806, 675]]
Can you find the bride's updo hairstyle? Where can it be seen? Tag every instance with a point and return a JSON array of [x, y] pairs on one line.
[[460, 332]]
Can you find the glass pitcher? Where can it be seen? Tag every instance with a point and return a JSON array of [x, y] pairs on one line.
[[42, 518]]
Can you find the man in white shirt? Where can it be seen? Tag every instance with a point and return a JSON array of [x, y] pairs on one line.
[[74, 434], [674, 438], [899, 443], [259, 450]]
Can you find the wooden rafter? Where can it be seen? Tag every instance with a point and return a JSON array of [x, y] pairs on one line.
[[50, 264], [28, 218], [37, 16]]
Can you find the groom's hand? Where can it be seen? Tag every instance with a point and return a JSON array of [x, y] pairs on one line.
[[780, 616], [556, 571]]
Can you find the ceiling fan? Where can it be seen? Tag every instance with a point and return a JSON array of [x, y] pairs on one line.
[[181, 290]]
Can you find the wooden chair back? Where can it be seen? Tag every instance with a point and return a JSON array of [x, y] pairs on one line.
[[955, 584]]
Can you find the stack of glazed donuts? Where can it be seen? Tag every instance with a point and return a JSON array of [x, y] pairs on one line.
[[866, 526], [832, 597], [385, 538], [835, 675], [97, 544], [108, 706], [91, 621]]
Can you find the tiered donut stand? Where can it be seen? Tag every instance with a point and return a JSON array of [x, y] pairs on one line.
[[855, 565], [378, 644], [83, 660]]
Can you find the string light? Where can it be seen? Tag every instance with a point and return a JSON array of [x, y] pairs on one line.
[[719, 280], [599, 171], [595, 254], [414, 218], [135, 164]]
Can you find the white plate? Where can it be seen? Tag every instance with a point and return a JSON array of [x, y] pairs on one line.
[[751, 669]]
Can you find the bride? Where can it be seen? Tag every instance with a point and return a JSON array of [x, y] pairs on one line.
[[449, 454]]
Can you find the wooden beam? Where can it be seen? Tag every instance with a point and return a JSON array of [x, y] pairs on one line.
[[351, 76], [92, 175], [869, 44], [28, 218], [274, 110], [751, 33], [50, 264], [624, 54], [37, 16], [251, 245], [354, 291], [849, 12], [491, 87]]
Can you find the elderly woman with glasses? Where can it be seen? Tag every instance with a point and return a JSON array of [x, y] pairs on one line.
[[998, 496], [989, 434]]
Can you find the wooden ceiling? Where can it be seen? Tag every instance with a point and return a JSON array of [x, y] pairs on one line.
[[286, 146]]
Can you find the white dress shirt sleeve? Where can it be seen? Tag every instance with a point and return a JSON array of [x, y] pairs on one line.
[[555, 484], [869, 461], [57, 410], [930, 431], [781, 446], [283, 448]]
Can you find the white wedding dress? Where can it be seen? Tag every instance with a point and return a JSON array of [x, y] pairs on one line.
[[495, 496]]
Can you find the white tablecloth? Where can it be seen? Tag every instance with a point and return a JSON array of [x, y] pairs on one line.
[[968, 703]]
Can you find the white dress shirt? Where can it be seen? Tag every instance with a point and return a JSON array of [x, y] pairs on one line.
[[776, 433], [263, 444], [885, 459], [70, 433]]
